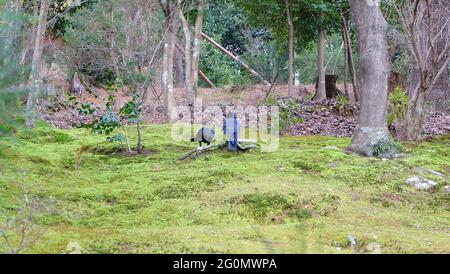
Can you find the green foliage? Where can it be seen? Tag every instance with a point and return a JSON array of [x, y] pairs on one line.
[[387, 146], [57, 23], [222, 22], [107, 123], [288, 114], [306, 60], [342, 102], [112, 86], [103, 43], [305, 16], [398, 105], [110, 120]]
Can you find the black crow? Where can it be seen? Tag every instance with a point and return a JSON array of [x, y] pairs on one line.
[[204, 135]]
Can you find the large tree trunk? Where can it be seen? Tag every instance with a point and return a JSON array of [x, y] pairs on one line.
[[372, 42], [291, 49], [321, 92], [36, 79], [197, 43]]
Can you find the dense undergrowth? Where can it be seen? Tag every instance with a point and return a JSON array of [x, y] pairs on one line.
[[305, 198]]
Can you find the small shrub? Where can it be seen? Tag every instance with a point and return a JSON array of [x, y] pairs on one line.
[[288, 114], [398, 106], [387, 146], [342, 102]]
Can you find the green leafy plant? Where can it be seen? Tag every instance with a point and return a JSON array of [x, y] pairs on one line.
[[398, 106], [387, 146], [288, 114], [342, 102]]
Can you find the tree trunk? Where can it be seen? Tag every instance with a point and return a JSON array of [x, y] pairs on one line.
[[291, 49], [187, 60], [139, 146], [372, 42], [439, 95], [197, 44], [200, 72], [179, 70], [350, 60], [344, 39], [170, 12], [414, 117], [321, 92], [36, 79]]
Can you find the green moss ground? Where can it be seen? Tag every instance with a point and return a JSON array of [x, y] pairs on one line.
[[304, 198]]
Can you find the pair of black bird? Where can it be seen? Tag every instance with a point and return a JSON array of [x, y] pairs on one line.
[[204, 135], [231, 130]]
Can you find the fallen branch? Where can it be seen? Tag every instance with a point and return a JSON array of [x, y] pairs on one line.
[[243, 145], [197, 151]]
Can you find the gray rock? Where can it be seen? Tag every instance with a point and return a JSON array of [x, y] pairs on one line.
[[373, 248], [421, 183], [430, 171], [447, 189], [331, 148], [353, 243], [390, 156], [435, 173]]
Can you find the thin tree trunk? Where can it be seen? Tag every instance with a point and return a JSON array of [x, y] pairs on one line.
[[321, 92], [372, 42], [113, 46], [168, 54], [201, 74], [206, 79], [179, 70], [197, 44], [139, 144], [36, 79], [236, 59], [351, 61], [291, 49], [346, 55], [187, 59], [414, 116]]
